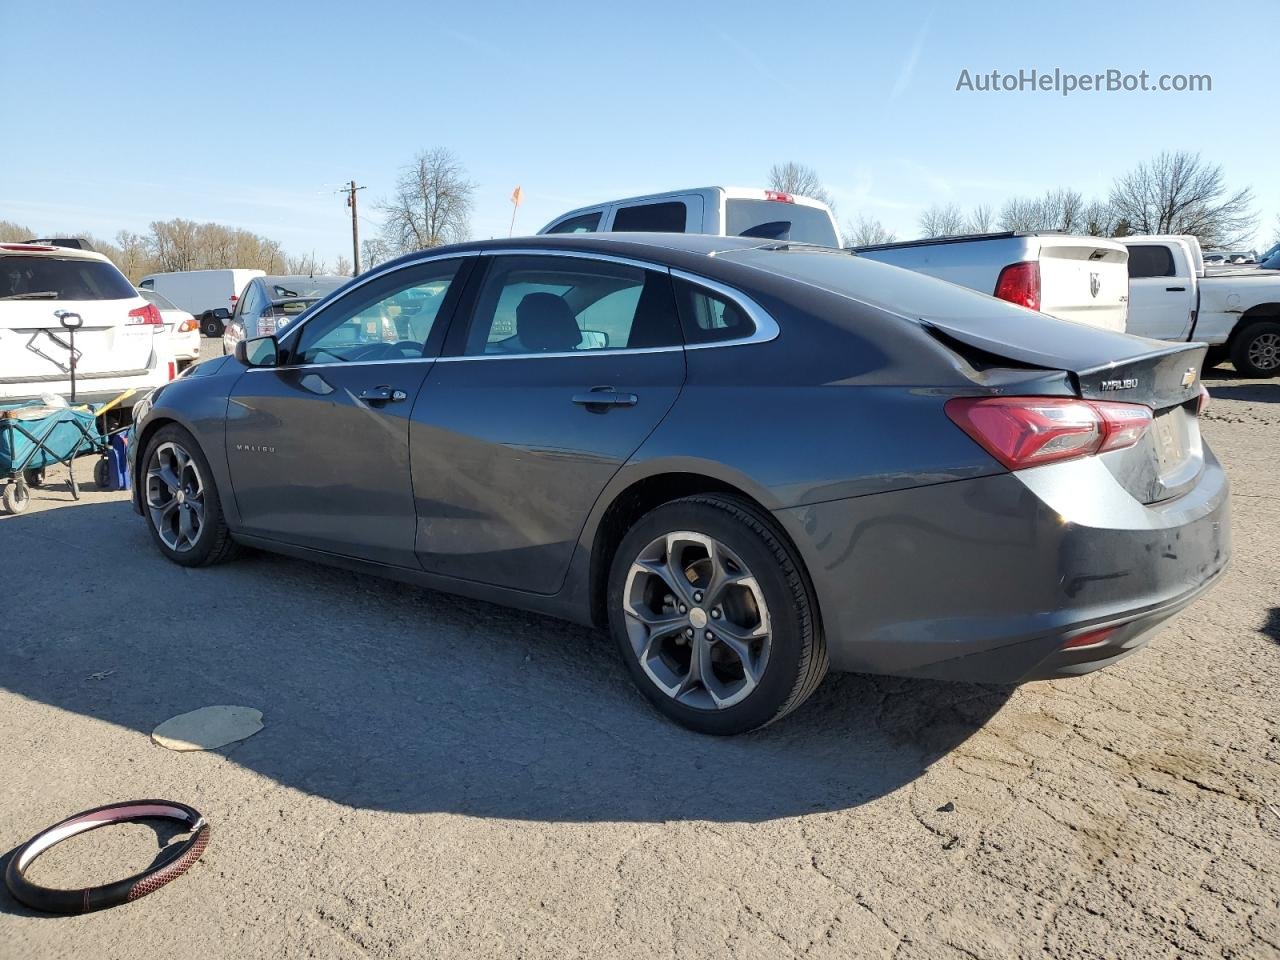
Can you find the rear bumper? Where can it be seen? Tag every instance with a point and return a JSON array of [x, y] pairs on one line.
[[986, 580]]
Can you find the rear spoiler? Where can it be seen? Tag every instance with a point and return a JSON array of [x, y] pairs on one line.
[[1104, 365]]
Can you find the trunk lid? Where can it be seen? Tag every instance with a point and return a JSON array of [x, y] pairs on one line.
[[1084, 282], [1110, 367]]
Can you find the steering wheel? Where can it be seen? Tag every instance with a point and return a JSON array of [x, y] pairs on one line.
[[402, 350]]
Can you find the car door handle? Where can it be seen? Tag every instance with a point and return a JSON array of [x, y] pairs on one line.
[[382, 394], [605, 397], [1175, 289]]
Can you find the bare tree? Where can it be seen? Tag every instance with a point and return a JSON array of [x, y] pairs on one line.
[[431, 205], [11, 232], [980, 219], [792, 177], [867, 231], [1098, 219], [342, 267], [942, 221], [1177, 192], [306, 264], [1061, 209], [375, 251]]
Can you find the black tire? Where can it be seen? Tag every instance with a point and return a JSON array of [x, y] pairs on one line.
[[214, 543], [16, 498], [1255, 350], [797, 659], [211, 326], [101, 474]]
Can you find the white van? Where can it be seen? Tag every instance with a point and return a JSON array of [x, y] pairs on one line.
[[721, 211], [121, 341], [199, 291]]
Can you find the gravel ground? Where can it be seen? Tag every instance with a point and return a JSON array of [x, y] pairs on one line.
[[444, 778]]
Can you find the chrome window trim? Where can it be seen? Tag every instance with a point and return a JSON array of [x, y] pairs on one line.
[[766, 327]]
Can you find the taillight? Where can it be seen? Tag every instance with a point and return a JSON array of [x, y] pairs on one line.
[[186, 326], [1020, 283], [173, 370], [149, 314], [779, 196], [1025, 432]]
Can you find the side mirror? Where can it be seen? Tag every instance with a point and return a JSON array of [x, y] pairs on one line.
[[258, 352], [221, 313]]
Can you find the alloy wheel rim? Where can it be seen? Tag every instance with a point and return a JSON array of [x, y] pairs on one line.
[[175, 496], [1264, 352], [697, 620]]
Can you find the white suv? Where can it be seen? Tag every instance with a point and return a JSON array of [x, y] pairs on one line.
[[121, 343]]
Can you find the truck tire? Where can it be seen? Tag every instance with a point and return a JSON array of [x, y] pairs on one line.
[[1255, 350]]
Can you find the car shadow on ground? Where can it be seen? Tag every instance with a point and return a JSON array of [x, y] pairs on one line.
[[383, 696], [1256, 391]]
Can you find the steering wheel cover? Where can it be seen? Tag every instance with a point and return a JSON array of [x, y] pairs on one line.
[[88, 899]]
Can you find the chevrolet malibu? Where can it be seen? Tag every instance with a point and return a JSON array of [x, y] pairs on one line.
[[750, 461]]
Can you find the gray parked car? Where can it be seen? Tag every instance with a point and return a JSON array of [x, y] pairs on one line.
[[268, 304], [747, 459]]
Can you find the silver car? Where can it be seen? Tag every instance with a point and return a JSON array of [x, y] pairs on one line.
[[268, 304]]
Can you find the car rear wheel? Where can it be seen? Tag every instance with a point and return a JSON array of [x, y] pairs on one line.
[[714, 617], [1256, 350], [181, 501]]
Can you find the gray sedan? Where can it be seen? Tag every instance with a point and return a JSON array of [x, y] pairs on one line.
[[749, 461]]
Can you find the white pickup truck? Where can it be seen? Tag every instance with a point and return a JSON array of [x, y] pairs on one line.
[[1172, 297], [1078, 278]]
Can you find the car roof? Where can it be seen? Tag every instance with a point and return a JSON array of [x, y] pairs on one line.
[[278, 278], [47, 250]]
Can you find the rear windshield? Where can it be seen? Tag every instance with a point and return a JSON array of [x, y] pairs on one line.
[[58, 278], [159, 299], [776, 220], [301, 288]]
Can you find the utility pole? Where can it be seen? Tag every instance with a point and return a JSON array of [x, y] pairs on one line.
[[350, 190]]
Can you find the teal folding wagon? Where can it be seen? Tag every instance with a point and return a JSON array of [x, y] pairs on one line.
[[34, 436]]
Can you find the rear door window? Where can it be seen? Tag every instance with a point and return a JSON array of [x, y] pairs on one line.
[[1150, 260], [530, 305], [59, 278], [668, 217]]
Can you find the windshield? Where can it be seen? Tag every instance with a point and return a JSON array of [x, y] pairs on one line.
[[161, 301], [1271, 263], [61, 278], [776, 220]]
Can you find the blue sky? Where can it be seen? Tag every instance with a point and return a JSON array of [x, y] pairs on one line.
[[253, 114]]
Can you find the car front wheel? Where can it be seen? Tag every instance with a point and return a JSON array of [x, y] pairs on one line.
[[714, 617], [181, 500]]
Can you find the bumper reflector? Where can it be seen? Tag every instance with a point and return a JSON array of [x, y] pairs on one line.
[[1092, 638]]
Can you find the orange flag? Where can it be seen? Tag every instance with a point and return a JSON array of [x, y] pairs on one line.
[[516, 196]]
